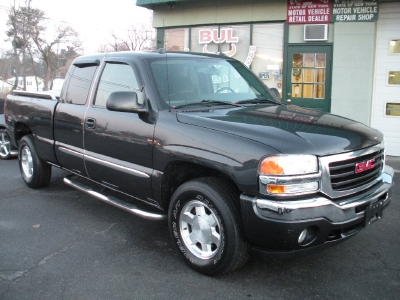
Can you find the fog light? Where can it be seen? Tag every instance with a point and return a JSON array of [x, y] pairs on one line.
[[307, 236]]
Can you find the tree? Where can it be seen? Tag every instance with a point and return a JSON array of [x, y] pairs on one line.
[[139, 37], [64, 35], [21, 21], [27, 34]]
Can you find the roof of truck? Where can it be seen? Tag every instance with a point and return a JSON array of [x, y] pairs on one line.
[[98, 57]]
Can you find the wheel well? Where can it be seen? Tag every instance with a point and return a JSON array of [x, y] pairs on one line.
[[177, 173], [20, 131]]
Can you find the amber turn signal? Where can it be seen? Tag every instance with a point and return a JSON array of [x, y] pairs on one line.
[[271, 167], [275, 189]]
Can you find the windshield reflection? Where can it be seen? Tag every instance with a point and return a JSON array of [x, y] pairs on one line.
[[188, 81]]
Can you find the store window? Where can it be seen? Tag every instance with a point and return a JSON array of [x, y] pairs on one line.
[[202, 39], [394, 46], [237, 41], [268, 58], [176, 39], [393, 109], [394, 78]]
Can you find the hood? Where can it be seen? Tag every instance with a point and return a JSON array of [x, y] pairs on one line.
[[287, 128]]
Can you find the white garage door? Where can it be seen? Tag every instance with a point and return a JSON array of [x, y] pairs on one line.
[[386, 102]]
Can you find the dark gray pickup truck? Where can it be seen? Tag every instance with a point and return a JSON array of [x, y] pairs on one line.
[[200, 141]]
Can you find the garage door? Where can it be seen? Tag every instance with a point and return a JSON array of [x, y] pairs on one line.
[[386, 101]]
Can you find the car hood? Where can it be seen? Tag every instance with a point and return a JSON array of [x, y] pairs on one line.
[[287, 128]]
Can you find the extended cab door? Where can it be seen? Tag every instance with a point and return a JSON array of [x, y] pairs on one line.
[[118, 145], [70, 114]]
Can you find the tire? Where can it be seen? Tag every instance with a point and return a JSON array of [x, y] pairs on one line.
[[35, 172], [205, 225], [5, 145]]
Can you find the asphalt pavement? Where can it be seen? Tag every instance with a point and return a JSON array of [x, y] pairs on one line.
[[58, 243]]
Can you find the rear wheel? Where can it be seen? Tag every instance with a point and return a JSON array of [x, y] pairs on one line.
[[205, 226], [35, 172]]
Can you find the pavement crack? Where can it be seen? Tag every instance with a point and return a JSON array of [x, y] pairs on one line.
[[103, 232], [44, 260], [12, 275]]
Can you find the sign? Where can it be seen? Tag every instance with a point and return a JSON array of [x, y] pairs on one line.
[[220, 36], [309, 12], [207, 36], [223, 36], [264, 75], [355, 11]]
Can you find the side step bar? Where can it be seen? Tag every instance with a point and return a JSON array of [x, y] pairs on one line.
[[113, 201]]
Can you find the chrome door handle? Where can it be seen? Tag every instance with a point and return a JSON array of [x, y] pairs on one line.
[[90, 123]]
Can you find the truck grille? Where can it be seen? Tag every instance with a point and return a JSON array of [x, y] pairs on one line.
[[344, 176]]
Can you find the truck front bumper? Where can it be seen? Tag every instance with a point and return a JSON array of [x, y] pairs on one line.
[[287, 228]]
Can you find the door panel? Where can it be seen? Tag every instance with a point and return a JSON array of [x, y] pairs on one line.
[[69, 117], [309, 80], [68, 131], [118, 151], [118, 145]]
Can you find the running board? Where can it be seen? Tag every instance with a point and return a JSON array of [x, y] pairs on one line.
[[113, 201]]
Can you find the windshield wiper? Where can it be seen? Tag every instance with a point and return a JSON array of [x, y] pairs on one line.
[[257, 101], [220, 102], [208, 103]]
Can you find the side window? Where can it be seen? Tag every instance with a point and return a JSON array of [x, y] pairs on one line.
[[79, 84], [115, 78]]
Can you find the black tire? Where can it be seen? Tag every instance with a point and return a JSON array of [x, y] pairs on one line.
[[205, 225], [5, 145], [35, 172]]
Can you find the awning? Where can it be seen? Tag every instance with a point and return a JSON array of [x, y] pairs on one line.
[[150, 3]]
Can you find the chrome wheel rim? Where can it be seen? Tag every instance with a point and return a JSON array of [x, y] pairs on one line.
[[4, 145], [200, 229], [27, 162]]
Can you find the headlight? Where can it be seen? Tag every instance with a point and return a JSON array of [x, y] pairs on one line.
[[288, 175], [288, 165]]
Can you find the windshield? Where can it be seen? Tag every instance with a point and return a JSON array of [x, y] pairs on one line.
[[205, 81]]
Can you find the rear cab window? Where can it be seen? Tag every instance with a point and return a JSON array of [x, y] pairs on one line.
[[79, 80]]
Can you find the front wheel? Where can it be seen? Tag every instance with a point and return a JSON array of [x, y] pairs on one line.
[[205, 226], [35, 172]]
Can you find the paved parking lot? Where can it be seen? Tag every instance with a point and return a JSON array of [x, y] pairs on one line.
[[57, 243]]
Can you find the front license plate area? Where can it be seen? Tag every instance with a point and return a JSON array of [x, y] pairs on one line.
[[373, 213]]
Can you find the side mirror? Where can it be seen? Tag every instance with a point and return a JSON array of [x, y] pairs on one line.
[[125, 102], [275, 93]]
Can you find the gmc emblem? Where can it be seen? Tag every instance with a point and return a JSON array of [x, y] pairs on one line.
[[365, 165]]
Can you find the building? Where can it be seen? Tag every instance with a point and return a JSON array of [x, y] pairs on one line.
[[340, 56], [32, 83]]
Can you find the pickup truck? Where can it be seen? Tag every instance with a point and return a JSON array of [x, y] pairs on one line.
[[198, 140]]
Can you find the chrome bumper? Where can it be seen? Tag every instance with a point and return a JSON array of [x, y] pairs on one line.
[[344, 210]]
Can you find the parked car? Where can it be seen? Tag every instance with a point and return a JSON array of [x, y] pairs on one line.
[[7, 150]]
